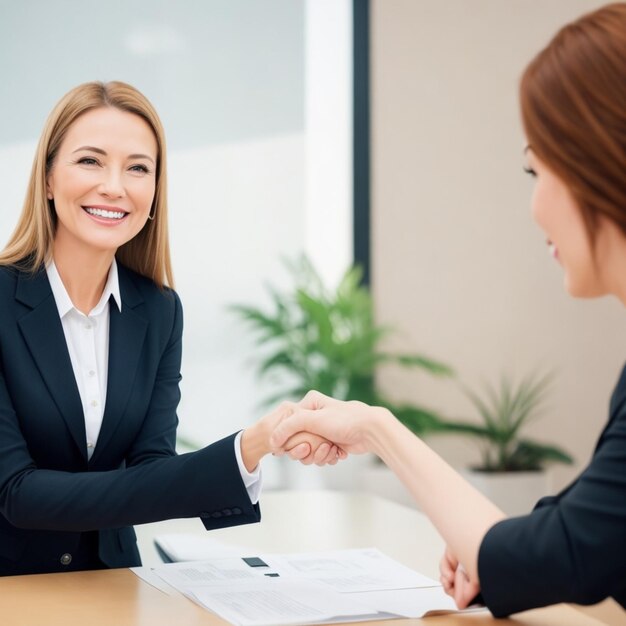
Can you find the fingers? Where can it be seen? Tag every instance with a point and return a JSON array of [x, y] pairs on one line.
[[319, 450], [298, 424], [464, 589], [323, 450], [333, 456], [300, 451], [447, 569], [301, 420], [455, 581], [301, 437]]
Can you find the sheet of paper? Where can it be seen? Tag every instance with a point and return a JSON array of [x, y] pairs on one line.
[[206, 573], [283, 602], [410, 602], [187, 547], [148, 575], [349, 570]]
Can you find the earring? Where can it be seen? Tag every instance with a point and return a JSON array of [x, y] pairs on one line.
[[151, 217]]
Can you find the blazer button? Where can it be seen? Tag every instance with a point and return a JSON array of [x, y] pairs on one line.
[[216, 515], [237, 511], [66, 559], [227, 512]]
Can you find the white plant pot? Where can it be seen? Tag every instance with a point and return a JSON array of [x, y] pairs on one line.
[[516, 493]]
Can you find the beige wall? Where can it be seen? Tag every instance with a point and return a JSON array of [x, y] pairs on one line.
[[458, 264]]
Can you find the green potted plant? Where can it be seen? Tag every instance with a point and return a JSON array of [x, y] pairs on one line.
[[512, 468], [313, 337], [317, 338]]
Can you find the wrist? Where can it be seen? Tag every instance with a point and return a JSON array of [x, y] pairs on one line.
[[254, 445], [376, 424]]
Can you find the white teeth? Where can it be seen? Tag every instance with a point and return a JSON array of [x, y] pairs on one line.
[[552, 250], [113, 215]]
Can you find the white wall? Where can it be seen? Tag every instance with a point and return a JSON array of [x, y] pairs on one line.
[[458, 265]]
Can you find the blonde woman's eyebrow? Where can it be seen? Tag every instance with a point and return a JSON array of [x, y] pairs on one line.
[[103, 152], [90, 149]]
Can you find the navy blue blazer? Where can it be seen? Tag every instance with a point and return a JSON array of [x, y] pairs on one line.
[[52, 497], [572, 547]]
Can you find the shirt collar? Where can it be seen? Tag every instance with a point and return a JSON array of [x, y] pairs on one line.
[[63, 301]]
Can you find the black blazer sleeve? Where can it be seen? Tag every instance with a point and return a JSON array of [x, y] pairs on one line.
[[572, 547], [134, 475]]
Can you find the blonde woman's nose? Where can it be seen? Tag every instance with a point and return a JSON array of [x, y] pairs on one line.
[[112, 184]]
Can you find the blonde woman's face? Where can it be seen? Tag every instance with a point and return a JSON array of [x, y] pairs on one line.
[[103, 179]]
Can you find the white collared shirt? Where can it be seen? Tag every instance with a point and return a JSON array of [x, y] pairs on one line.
[[87, 339]]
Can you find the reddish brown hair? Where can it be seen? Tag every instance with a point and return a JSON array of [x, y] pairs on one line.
[[573, 101]]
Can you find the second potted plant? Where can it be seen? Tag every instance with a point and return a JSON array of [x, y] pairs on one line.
[[512, 469]]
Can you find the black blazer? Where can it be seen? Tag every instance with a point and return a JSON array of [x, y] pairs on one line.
[[50, 494], [572, 547]]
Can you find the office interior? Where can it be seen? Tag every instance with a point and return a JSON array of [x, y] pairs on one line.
[[258, 103]]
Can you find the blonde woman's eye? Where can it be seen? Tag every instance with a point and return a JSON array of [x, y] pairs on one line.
[[140, 168], [87, 161], [530, 170]]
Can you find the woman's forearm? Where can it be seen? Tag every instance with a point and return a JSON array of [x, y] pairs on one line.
[[461, 514]]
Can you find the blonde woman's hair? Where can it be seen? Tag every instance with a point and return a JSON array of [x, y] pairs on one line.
[[30, 245]]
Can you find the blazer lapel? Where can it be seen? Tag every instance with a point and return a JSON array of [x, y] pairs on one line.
[[43, 333], [127, 331]]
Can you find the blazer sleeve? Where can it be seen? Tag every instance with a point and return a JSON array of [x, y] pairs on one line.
[[155, 485], [571, 548]]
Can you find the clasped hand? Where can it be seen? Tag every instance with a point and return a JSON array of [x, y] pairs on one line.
[[319, 429]]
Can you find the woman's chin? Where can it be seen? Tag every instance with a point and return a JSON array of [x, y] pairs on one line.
[[586, 290]]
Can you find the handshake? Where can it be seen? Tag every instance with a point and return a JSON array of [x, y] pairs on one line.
[[317, 429]]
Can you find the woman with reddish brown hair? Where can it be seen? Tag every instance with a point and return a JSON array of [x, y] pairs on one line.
[[572, 547]]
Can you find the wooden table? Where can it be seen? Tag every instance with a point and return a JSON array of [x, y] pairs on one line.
[[292, 521]]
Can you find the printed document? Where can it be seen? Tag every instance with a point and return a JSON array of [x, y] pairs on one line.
[[306, 588]]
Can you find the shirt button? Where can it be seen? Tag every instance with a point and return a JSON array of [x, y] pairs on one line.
[[88, 326], [90, 444], [94, 403], [92, 373], [66, 559]]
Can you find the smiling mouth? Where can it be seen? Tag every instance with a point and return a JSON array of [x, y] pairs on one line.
[[105, 213]]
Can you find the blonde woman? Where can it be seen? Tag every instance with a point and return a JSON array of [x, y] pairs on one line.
[[90, 354]]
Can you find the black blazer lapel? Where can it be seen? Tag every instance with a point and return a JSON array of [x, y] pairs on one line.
[[127, 331], [43, 333]]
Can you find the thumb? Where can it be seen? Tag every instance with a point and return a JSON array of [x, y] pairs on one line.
[[314, 400], [299, 421]]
